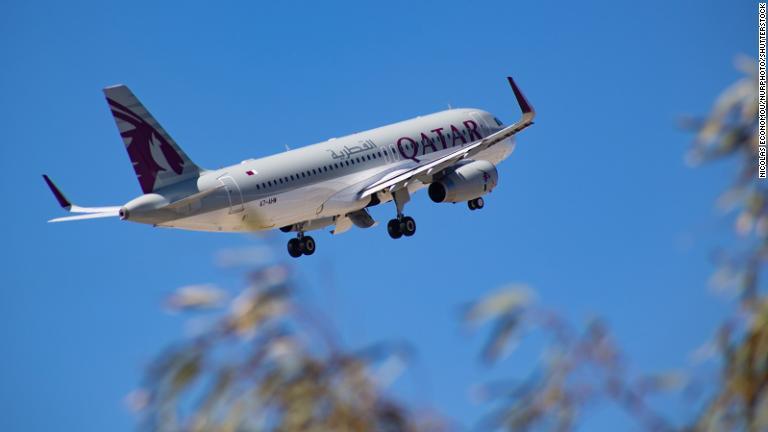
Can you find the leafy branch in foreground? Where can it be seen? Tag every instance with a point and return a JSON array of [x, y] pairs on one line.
[[265, 365], [731, 132], [580, 368]]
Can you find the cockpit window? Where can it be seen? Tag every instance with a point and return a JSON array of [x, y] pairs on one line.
[[498, 122]]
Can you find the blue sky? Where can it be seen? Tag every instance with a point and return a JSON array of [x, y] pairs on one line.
[[596, 209]]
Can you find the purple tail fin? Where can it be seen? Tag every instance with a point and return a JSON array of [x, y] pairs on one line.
[[157, 160]]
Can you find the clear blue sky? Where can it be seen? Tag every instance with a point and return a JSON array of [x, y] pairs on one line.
[[596, 209]]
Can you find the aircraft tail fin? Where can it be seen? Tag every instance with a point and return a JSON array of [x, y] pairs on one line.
[[157, 160]]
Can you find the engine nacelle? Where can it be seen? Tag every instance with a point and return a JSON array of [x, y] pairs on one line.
[[469, 181]]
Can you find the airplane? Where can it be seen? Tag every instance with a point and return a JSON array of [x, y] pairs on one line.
[[452, 153]]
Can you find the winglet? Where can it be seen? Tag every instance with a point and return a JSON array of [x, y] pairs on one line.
[[63, 201], [525, 106]]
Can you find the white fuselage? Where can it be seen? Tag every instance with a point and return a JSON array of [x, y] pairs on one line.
[[299, 185]]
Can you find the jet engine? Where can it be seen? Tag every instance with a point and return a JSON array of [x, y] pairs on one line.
[[466, 182]]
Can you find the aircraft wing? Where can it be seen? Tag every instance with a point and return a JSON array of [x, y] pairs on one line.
[[428, 167], [86, 212]]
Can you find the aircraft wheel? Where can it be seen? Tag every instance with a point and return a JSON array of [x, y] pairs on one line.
[[307, 245], [479, 203], [394, 230], [471, 204], [408, 226], [294, 248]]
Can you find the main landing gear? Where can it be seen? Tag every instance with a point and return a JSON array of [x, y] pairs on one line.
[[476, 204], [402, 225], [301, 245]]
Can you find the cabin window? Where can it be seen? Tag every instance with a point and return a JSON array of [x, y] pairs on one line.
[[281, 181], [498, 122], [291, 177], [313, 171], [270, 183], [336, 165]]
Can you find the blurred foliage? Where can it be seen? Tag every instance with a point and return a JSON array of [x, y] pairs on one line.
[[580, 368], [731, 132], [265, 364], [577, 369]]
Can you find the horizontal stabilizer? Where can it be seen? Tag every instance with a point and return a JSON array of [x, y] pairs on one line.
[[86, 216], [89, 212], [63, 201]]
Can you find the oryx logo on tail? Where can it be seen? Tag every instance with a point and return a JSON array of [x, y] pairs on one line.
[[156, 158]]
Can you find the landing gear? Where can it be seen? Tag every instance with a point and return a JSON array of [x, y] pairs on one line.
[[409, 226], [307, 245], [394, 230], [476, 204], [301, 245], [294, 248], [402, 226]]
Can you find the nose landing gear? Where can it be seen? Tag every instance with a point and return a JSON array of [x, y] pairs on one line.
[[476, 204]]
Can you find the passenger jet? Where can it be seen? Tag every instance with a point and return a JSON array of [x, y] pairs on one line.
[[452, 153]]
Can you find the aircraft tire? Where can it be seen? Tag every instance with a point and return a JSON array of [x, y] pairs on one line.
[[393, 228], [408, 226], [294, 248], [308, 245]]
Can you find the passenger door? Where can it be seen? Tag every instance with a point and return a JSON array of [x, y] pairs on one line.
[[233, 193]]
